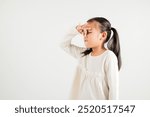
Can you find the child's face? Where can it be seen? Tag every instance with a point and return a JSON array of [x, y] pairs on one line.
[[93, 35]]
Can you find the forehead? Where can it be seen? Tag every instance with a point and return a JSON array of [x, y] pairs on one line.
[[93, 25]]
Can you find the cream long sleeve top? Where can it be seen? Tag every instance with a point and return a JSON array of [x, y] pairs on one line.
[[96, 77]]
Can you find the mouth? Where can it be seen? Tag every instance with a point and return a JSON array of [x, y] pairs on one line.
[[85, 40]]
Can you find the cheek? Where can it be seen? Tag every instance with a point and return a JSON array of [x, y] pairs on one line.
[[93, 38]]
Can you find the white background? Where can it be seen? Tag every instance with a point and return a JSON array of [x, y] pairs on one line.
[[32, 65]]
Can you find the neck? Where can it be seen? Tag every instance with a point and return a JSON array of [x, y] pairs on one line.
[[98, 50]]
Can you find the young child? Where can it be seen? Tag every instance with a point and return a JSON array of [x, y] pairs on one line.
[[97, 74]]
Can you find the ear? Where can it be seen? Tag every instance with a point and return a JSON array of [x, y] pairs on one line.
[[104, 35]]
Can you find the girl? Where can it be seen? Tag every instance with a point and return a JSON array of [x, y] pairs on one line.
[[97, 72]]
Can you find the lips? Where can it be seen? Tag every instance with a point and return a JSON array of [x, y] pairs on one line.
[[85, 40]]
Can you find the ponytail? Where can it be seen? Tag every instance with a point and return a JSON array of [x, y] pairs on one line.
[[114, 45]]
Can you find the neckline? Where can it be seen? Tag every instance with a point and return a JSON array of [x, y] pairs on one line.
[[98, 55]]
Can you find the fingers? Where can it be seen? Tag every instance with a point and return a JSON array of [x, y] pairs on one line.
[[85, 32], [79, 28], [83, 29]]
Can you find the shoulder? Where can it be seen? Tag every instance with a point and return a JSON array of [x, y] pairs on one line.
[[111, 61], [110, 56]]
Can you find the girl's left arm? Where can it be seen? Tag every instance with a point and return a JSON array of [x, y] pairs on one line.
[[112, 74]]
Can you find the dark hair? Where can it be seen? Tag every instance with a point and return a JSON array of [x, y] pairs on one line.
[[113, 42]]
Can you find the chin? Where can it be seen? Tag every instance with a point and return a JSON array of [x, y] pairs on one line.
[[88, 46]]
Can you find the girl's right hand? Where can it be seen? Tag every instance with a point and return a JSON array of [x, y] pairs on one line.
[[82, 29], [79, 28]]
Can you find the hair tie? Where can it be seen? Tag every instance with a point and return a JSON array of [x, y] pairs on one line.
[[110, 29]]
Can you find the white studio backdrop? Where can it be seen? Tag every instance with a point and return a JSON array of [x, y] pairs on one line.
[[33, 66]]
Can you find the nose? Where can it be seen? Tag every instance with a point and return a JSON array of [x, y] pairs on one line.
[[84, 32], [84, 35]]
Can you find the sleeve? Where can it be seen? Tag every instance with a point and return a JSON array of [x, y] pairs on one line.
[[112, 75], [68, 47]]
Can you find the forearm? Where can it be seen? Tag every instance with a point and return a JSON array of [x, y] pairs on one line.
[[70, 48], [66, 42]]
